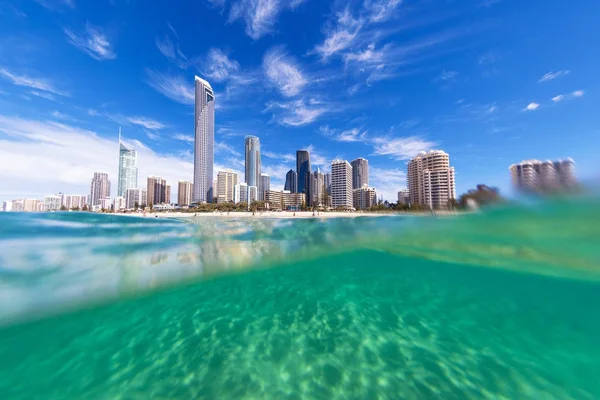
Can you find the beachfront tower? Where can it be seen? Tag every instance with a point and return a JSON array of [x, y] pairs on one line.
[[128, 171], [204, 138], [252, 160]]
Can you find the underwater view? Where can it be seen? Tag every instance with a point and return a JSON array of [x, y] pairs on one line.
[[501, 304]]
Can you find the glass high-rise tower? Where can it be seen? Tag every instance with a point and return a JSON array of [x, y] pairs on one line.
[[360, 173], [253, 166], [128, 171], [303, 170], [204, 139], [291, 181]]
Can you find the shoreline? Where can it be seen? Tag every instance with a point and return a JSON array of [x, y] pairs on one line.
[[283, 214]]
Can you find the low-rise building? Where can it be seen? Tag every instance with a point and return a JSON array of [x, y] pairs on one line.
[[365, 197], [284, 200]]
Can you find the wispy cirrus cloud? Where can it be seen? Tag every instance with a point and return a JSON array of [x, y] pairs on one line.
[[174, 87], [93, 41], [56, 5], [447, 77], [170, 49], [184, 138], [260, 16], [219, 67], [569, 96], [348, 135], [145, 122], [549, 76], [279, 156], [296, 112], [387, 181], [283, 72], [401, 148], [34, 83], [43, 95], [224, 148]]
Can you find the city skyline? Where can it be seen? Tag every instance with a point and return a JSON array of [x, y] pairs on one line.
[[517, 92]]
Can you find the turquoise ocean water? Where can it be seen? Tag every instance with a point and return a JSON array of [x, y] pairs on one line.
[[497, 305]]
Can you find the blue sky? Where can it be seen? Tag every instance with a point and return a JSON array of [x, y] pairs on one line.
[[491, 82]]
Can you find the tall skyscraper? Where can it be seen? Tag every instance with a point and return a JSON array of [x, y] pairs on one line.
[[291, 181], [204, 138], [226, 181], [431, 179], [100, 188], [263, 185], [128, 171], [158, 192], [540, 176], [360, 173], [184, 193], [252, 155], [341, 184], [303, 170]]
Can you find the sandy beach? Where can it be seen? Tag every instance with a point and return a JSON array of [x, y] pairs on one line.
[[282, 214]]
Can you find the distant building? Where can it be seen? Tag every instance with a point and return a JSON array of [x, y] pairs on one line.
[[52, 203], [365, 197], [252, 160], [184, 193], [7, 206], [317, 182], [119, 203], [543, 176], [303, 171], [204, 142], [263, 185], [327, 179], [284, 200], [100, 188], [431, 180], [106, 203], [341, 185], [291, 181], [240, 194], [360, 173], [128, 171], [252, 194], [157, 190], [133, 196], [226, 181], [403, 196]]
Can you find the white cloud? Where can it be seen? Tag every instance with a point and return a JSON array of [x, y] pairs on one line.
[[349, 135], [283, 72], [532, 106], [401, 148], [59, 115], [174, 87], [94, 42], [35, 83], [369, 55], [219, 66], [381, 10], [578, 93], [558, 98], [341, 35], [387, 182], [295, 113], [260, 16], [152, 135], [184, 138], [53, 157], [553, 75], [146, 123], [317, 159]]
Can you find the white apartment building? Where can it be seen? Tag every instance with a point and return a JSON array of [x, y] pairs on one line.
[[7, 206], [106, 203], [252, 194], [52, 203], [365, 197], [431, 180], [240, 194], [119, 203], [536, 175], [137, 195], [226, 181], [284, 200], [341, 185]]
